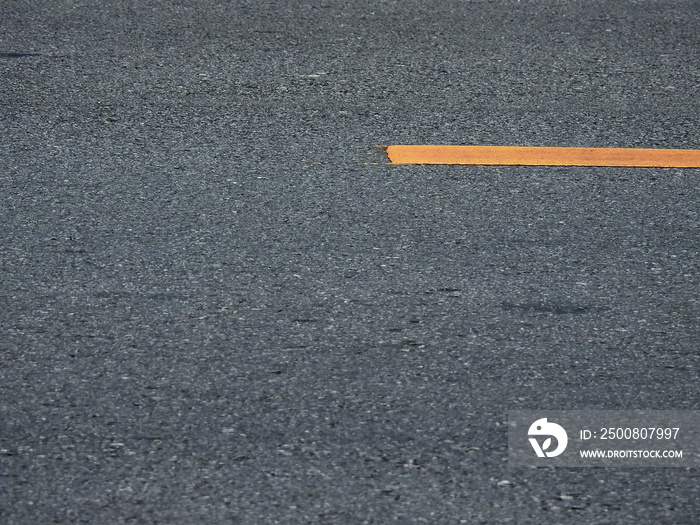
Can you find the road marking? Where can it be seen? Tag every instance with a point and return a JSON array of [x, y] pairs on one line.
[[544, 156]]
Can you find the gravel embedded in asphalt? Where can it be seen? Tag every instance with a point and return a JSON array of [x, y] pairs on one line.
[[220, 305]]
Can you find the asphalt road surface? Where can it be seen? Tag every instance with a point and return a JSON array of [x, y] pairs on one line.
[[219, 304]]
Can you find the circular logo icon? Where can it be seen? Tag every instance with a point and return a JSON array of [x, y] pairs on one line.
[[542, 435]]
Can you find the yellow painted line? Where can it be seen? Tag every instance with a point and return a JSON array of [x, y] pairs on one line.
[[544, 156]]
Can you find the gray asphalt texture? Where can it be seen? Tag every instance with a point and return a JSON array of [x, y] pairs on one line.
[[213, 311]]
